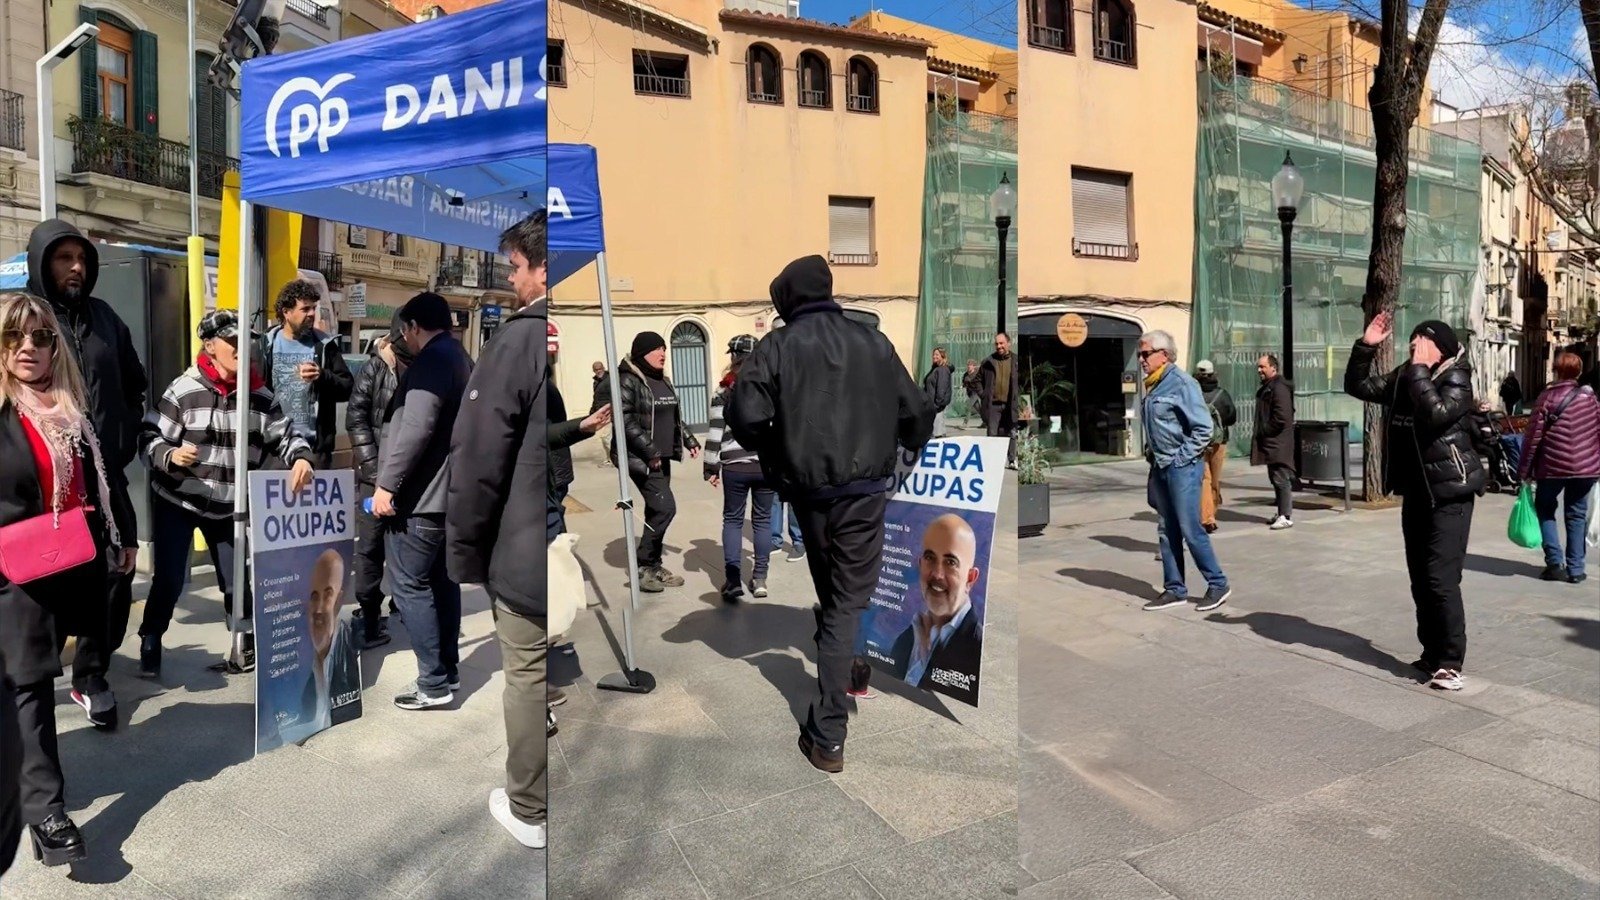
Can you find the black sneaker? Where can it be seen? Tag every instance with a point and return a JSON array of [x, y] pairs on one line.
[[758, 587], [101, 708], [550, 729], [1554, 573], [732, 589], [1167, 600], [415, 699], [555, 696], [375, 635], [797, 553], [1577, 579], [1425, 667], [150, 656], [1214, 598]]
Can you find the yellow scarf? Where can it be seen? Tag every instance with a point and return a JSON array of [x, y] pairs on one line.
[[1151, 380]]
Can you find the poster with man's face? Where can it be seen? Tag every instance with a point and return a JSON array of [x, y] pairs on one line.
[[301, 549], [924, 622]]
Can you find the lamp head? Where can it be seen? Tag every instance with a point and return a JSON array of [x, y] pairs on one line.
[[1003, 202], [1288, 186]]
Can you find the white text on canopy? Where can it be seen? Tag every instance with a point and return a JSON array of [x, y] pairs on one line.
[[502, 89]]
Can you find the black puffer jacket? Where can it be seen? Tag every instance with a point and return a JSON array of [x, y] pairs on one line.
[[638, 410], [825, 401], [1429, 425], [366, 414]]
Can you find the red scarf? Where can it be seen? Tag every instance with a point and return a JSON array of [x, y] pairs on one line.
[[226, 386], [727, 381]]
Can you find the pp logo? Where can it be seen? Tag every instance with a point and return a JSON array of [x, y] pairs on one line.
[[320, 120]]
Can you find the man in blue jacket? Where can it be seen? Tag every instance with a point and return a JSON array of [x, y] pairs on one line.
[[1177, 428]]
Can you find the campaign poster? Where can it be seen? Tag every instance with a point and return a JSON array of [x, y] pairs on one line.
[[308, 668], [924, 622]]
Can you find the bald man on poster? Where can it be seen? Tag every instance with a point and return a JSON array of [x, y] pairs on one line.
[[335, 670], [942, 646]]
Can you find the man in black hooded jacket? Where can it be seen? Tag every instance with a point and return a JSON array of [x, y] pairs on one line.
[[829, 448], [364, 418], [63, 267]]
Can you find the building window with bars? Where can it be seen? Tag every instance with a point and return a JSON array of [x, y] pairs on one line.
[[850, 223], [765, 69], [1050, 24], [555, 65], [1114, 36], [815, 81], [1102, 215], [660, 74], [862, 85]]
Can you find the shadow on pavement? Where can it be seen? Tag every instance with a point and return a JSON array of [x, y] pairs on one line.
[[1112, 581], [1585, 632], [1125, 543], [1504, 568], [1296, 630]]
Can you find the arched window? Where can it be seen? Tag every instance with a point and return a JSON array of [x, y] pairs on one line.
[[1050, 24], [1114, 39], [765, 74], [862, 89], [815, 81]]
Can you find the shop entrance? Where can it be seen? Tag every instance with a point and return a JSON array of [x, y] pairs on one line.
[[1081, 395]]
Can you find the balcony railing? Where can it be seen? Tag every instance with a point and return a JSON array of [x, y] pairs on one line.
[[331, 265], [765, 97], [105, 148], [13, 119], [867, 103], [853, 259], [310, 10], [814, 99], [660, 85], [455, 272], [1045, 36], [1114, 51], [1091, 250]]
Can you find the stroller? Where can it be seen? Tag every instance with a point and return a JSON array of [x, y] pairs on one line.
[[1501, 448]]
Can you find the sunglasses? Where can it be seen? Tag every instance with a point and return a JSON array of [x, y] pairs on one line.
[[1146, 354], [43, 338]]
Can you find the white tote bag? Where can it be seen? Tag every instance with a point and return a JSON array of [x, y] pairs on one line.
[[565, 584], [1594, 516]]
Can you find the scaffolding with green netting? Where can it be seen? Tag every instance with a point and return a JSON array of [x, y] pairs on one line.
[[1245, 127], [967, 155]]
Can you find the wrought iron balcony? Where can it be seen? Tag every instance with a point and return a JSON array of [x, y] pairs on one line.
[[310, 10], [1051, 38], [473, 274], [13, 120], [105, 148], [660, 85], [1129, 252], [331, 265]]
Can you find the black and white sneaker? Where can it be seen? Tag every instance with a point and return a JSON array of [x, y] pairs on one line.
[[550, 729], [797, 553], [101, 708], [1446, 680], [1214, 598], [415, 699], [758, 587], [1167, 600]]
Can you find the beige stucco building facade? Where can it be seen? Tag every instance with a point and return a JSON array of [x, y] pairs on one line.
[[721, 161]]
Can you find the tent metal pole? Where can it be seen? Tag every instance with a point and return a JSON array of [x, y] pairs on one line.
[[631, 679], [241, 450]]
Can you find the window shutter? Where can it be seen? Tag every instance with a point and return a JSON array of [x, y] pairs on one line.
[[850, 227], [146, 84], [1100, 208], [89, 70], [203, 135]]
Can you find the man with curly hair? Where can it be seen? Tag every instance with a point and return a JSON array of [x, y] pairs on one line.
[[305, 369]]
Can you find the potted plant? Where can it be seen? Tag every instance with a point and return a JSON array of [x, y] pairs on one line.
[[1033, 491]]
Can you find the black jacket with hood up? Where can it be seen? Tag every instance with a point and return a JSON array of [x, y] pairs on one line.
[[825, 401], [112, 372], [1429, 425], [495, 527]]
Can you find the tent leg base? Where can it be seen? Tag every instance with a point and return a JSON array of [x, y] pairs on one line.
[[630, 681]]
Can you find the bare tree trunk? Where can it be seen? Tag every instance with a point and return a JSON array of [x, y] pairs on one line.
[[1396, 100]]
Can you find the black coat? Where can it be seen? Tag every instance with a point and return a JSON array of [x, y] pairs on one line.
[[988, 373], [1273, 443], [936, 387], [10, 771], [962, 653], [367, 413], [495, 527], [1429, 426], [561, 436], [35, 619], [112, 372], [638, 413]]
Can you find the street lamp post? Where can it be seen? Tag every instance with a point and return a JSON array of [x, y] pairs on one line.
[[1287, 188], [43, 70], [1002, 203]]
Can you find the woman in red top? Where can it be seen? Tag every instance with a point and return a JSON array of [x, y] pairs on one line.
[[50, 463]]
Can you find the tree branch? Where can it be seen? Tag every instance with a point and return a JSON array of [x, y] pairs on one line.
[[1421, 55]]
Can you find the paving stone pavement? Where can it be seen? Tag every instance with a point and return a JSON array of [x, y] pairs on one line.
[[1278, 747], [394, 804], [698, 791]]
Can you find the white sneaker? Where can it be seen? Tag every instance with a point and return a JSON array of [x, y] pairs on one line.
[[1281, 522], [527, 834], [1446, 680]]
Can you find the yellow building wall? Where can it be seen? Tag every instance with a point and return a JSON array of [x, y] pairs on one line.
[[967, 51]]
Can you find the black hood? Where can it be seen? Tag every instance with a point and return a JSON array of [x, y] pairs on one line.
[[46, 235], [805, 281]]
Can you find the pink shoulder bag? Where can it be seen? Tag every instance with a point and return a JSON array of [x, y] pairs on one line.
[[41, 546]]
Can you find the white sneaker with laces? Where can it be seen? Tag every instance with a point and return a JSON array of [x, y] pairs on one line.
[[1446, 680], [527, 834], [1281, 523]]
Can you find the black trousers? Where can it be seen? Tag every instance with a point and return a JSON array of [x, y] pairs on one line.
[[369, 561], [844, 546], [10, 773], [1436, 552], [660, 508], [92, 659], [43, 788], [1282, 478], [998, 423]]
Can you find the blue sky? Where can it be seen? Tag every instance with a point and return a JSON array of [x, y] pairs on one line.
[[994, 21], [1496, 52]]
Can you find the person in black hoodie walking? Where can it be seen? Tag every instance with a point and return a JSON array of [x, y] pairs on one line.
[[496, 522], [1429, 459], [63, 267], [657, 437], [365, 416], [829, 448]]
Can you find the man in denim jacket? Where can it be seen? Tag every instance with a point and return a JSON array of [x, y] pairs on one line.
[[1177, 427]]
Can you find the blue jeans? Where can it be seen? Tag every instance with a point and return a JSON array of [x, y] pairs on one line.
[[1545, 495], [778, 509], [1175, 496], [428, 601], [736, 487]]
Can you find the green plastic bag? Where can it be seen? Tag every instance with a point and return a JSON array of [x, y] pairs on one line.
[[1523, 528]]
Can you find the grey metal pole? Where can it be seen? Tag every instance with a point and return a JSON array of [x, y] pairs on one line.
[[44, 71], [194, 133], [242, 623]]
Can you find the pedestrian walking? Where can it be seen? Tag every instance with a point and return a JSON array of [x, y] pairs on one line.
[[56, 489], [737, 471], [603, 383], [1562, 456], [1177, 432], [1224, 414], [305, 369], [1430, 461], [1511, 393], [496, 529], [1000, 383], [972, 384], [936, 386], [657, 437], [412, 490], [782, 512], [1273, 443], [188, 440], [371, 402], [63, 267], [830, 448]]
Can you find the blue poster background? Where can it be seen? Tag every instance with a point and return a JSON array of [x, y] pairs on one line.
[[287, 708]]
